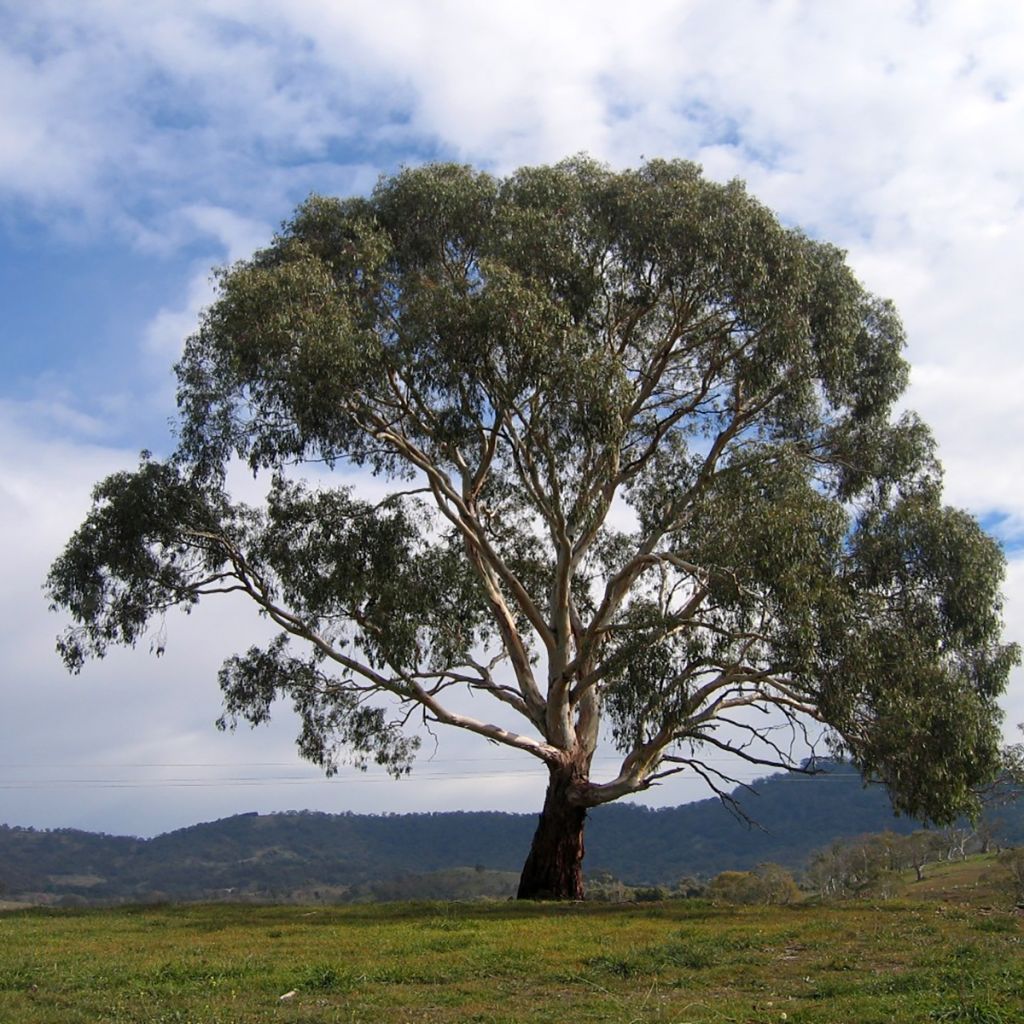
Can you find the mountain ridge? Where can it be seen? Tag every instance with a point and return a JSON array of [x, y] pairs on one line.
[[294, 854]]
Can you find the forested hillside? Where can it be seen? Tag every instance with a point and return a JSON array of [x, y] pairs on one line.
[[306, 854]]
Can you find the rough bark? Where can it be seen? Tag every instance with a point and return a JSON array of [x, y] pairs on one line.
[[554, 867]]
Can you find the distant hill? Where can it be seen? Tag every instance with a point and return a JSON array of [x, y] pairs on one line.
[[310, 855]]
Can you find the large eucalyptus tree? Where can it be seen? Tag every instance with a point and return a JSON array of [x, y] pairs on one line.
[[648, 490]]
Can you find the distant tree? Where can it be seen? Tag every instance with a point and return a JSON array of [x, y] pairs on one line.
[[823, 872], [767, 883], [733, 887], [649, 894], [1013, 861], [775, 885], [604, 887], [989, 831], [917, 850], [955, 840], [853, 866], [1008, 784], [689, 887], [1011, 773], [649, 477], [995, 796]]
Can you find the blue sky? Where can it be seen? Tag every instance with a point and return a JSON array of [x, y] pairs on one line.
[[140, 145]]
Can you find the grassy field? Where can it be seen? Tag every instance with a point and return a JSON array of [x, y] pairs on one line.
[[687, 961]]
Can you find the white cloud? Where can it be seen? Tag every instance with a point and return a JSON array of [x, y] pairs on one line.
[[979, 420], [165, 334], [238, 237]]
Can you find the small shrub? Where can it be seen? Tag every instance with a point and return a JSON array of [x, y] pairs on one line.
[[733, 887], [693, 955], [323, 978], [775, 884], [767, 883], [618, 966], [999, 925], [655, 894]]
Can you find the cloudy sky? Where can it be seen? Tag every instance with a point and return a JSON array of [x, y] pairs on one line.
[[143, 144]]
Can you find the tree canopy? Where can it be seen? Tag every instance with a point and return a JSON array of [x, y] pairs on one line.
[[648, 488]]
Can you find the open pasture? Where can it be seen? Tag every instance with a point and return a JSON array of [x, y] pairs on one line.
[[685, 961]]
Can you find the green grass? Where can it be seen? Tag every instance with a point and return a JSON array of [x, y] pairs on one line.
[[673, 962]]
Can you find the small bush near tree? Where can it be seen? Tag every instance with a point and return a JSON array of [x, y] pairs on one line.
[[732, 886], [767, 883], [775, 884], [652, 894]]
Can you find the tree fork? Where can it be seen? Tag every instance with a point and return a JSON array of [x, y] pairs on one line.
[[554, 867]]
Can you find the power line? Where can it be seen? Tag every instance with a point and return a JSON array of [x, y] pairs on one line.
[[275, 781], [433, 770], [520, 759]]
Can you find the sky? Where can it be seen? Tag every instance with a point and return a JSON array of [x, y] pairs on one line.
[[141, 145]]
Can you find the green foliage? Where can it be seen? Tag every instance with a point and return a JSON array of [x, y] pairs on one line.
[[521, 355]]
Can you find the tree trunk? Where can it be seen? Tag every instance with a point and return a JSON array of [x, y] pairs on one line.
[[554, 868]]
